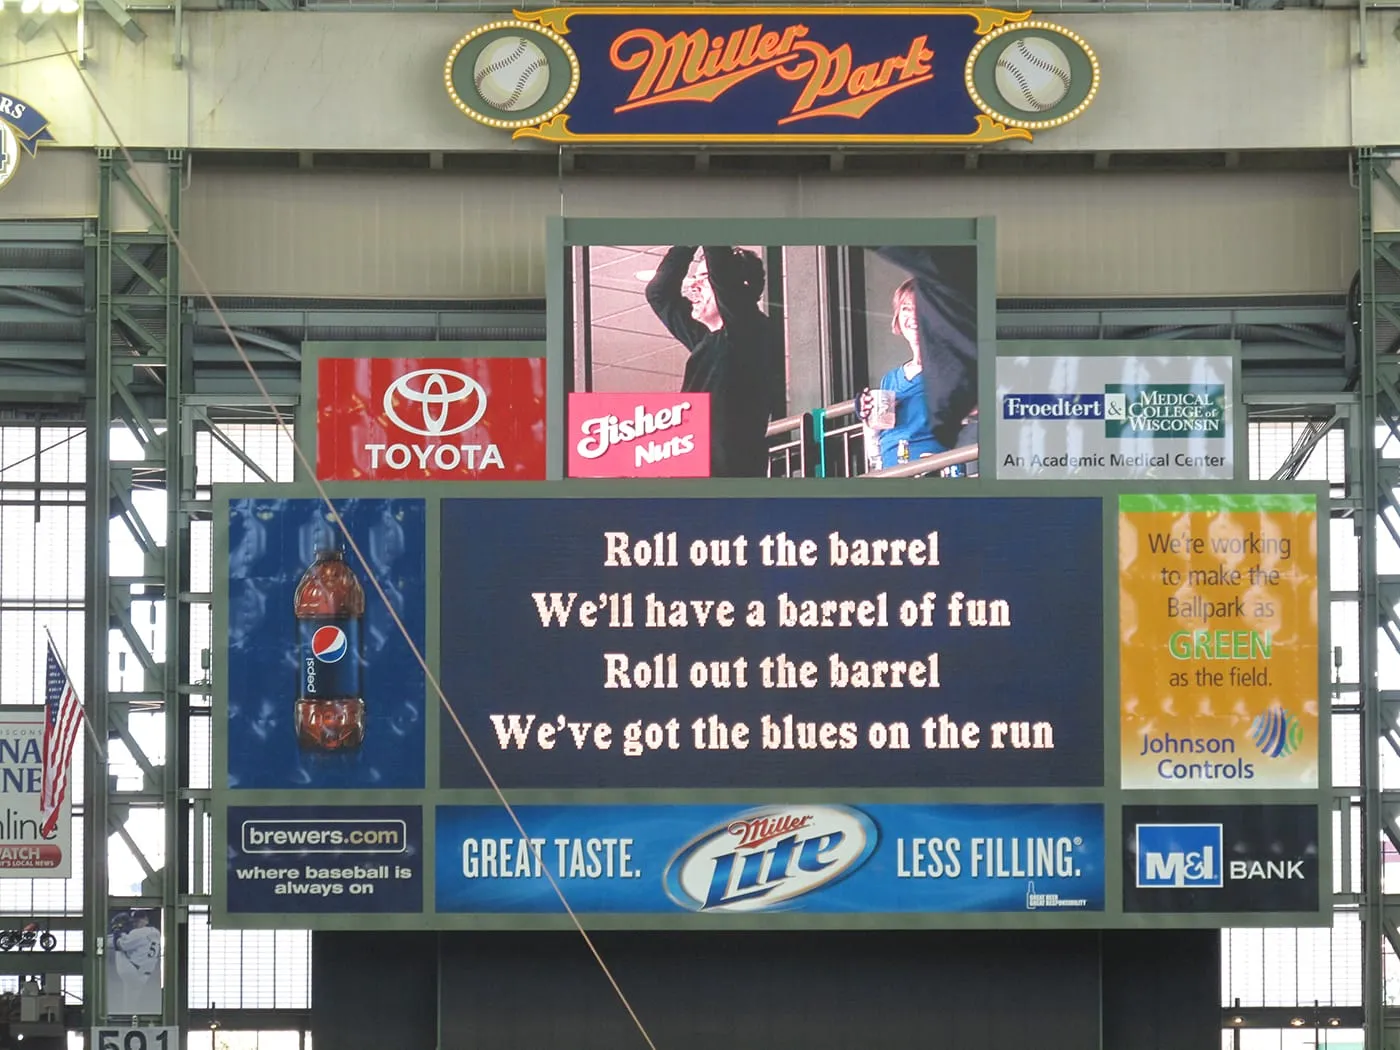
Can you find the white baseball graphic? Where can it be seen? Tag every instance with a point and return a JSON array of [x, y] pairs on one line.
[[1033, 74], [511, 73], [9, 152]]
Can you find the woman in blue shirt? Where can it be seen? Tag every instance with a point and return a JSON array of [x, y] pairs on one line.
[[936, 389], [906, 381]]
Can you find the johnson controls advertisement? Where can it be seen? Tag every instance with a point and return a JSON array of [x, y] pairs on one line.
[[840, 708]]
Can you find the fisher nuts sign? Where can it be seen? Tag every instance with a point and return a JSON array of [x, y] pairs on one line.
[[439, 419], [639, 435]]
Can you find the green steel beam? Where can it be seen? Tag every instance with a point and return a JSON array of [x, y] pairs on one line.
[[99, 591], [432, 319], [140, 343], [40, 278], [35, 315], [1379, 404], [122, 17]]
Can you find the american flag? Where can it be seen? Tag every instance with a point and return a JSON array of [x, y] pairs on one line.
[[63, 722]]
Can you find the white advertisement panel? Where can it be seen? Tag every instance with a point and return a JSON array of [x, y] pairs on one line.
[[26, 852], [1110, 418]]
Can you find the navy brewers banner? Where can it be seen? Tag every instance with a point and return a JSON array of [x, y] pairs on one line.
[[348, 860], [874, 642], [876, 859], [772, 74]]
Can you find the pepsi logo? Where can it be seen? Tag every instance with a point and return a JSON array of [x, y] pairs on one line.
[[764, 859], [329, 644]]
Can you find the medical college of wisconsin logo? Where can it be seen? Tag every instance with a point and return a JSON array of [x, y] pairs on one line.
[[22, 128], [439, 419], [761, 74]]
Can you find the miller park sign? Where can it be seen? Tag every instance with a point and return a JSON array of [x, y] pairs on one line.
[[748, 75]]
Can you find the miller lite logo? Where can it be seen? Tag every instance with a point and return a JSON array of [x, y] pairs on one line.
[[764, 859], [639, 435], [426, 419]]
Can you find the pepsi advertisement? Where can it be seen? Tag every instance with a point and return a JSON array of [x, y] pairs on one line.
[[752, 860], [690, 643], [344, 860], [324, 690]]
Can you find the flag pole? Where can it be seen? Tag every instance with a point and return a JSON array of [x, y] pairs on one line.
[[87, 722]]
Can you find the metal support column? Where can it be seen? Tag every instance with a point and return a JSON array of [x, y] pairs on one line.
[[139, 362], [1378, 462]]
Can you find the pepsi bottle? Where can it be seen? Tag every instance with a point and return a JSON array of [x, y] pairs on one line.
[[329, 605]]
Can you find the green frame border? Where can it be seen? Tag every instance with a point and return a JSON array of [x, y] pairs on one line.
[[562, 233], [1110, 794], [1062, 348]]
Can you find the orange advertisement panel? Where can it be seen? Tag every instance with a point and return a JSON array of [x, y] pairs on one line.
[[1218, 641]]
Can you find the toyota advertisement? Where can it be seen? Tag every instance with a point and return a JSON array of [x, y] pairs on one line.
[[715, 860], [430, 419]]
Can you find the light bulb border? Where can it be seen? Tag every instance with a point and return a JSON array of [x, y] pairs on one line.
[[1019, 122], [497, 122]]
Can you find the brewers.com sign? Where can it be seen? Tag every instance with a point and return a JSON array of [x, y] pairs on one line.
[[771, 75]]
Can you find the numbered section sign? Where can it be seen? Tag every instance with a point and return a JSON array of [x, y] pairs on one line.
[[135, 1039]]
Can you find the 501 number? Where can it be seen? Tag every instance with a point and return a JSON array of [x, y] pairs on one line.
[[135, 1039]]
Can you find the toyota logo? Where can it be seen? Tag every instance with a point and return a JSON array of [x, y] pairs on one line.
[[436, 392]]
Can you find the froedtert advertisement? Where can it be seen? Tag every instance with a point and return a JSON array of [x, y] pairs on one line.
[[1115, 417]]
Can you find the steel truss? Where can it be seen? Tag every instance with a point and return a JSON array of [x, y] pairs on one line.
[[139, 348], [1377, 465]]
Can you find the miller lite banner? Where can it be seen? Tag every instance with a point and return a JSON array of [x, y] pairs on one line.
[[727, 860], [430, 419], [26, 852], [772, 74], [639, 435]]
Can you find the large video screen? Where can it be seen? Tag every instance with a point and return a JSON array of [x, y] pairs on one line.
[[789, 351], [838, 705]]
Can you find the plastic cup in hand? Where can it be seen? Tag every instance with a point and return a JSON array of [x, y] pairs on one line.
[[882, 410]]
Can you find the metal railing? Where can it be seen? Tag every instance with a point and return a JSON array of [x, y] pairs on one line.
[[829, 442]]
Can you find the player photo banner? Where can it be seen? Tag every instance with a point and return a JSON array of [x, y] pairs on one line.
[[772, 75], [666, 342], [1219, 641], [1122, 417], [133, 962]]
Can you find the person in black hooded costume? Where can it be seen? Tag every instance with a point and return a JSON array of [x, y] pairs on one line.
[[712, 310]]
